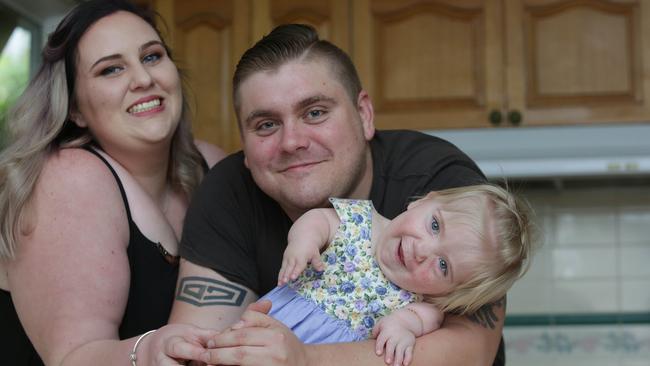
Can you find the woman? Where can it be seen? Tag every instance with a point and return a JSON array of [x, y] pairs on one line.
[[93, 189]]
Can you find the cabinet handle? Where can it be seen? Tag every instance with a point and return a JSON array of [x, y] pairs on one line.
[[495, 117], [515, 117]]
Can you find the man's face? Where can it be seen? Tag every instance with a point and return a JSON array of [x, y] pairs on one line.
[[304, 139]]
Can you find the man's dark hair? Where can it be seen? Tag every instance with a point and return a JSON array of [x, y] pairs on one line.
[[289, 42]]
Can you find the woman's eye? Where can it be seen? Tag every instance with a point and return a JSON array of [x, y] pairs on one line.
[[442, 264], [110, 70], [435, 226], [153, 57]]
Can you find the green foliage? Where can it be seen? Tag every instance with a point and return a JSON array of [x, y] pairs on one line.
[[14, 75]]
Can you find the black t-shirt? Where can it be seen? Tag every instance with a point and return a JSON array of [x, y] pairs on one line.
[[237, 230]]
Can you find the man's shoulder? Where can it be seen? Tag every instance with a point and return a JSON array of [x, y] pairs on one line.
[[230, 185], [411, 144], [225, 179], [231, 167], [404, 148]]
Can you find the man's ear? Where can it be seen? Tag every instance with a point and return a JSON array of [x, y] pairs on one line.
[[367, 114], [78, 119], [246, 162]]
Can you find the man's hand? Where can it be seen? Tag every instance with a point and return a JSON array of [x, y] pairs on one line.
[[257, 339]]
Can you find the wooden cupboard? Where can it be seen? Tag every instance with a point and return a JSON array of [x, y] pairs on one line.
[[432, 64], [460, 64]]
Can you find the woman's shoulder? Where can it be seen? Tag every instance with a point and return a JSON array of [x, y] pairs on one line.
[[75, 159], [76, 188], [211, 153], [79, 172]]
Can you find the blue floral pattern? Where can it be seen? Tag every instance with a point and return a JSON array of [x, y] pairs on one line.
[[352, 287]]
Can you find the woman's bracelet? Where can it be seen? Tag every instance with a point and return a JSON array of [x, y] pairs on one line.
[[132, 355]]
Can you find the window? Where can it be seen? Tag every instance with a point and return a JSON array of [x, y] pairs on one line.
[[20, 45]]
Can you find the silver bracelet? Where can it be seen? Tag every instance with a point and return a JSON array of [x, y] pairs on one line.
[[132, 355]]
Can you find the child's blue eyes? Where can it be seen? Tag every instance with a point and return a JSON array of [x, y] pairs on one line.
[[443, 266], [435, 226]]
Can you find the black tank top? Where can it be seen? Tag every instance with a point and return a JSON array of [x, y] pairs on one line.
[[151, 293]]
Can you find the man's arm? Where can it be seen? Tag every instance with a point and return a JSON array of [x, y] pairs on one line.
[[207, 299]]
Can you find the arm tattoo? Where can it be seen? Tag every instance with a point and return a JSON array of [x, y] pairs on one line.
[[203, 291], [485, 316]]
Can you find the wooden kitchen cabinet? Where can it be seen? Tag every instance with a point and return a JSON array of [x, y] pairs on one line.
[[430, 64], [461, 63], [436, 64]]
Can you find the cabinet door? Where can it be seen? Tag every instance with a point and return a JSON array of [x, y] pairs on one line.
[[329, 17], [578, 61], [208, 36], [430, 64]]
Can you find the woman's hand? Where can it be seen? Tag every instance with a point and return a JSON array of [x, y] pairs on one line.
[[175, 344]]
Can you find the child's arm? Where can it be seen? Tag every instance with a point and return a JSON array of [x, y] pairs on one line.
[[397, 331], [308, 235]]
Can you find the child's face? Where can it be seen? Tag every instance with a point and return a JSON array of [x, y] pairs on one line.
[[428, 250]]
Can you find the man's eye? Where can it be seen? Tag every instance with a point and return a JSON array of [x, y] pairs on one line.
[[442, 264], [266, 128], [315, 113], [435, 226]]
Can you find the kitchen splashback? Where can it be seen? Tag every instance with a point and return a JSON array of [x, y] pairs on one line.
[[586, 298]]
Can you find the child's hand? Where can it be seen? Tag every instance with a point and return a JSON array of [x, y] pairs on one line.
[[295, 260], [397, 339]]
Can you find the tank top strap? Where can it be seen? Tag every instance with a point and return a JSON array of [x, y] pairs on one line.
[[117, 179]]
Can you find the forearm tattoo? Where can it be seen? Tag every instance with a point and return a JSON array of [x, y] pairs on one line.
[[203, 291], [485, 315]]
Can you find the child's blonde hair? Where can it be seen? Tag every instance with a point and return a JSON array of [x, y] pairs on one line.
[[513, 231]]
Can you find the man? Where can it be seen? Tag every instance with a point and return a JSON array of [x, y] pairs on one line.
[[308, 134]]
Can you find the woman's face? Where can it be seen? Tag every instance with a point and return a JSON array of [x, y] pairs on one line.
[[128, 91]]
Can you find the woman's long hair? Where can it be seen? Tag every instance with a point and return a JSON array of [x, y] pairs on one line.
[[39, 123]]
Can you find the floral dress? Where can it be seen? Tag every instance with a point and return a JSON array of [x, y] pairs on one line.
[[343, 302]]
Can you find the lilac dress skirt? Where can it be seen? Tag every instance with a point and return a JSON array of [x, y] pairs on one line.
[[307, 320]]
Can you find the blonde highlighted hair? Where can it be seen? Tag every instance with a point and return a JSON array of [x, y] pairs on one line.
[[39, 123], [494, 214]]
